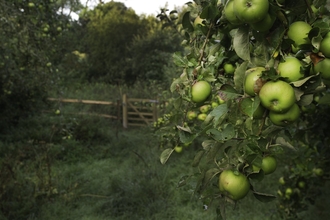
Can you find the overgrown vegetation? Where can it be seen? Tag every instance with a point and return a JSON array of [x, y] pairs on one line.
[[57, 164]]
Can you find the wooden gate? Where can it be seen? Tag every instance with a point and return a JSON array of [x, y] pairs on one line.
[[131, 111], [138, 112]]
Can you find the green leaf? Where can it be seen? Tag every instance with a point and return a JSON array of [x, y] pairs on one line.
[[186, 24], [263, 197], [208, 176], [174, 84], [315, 37], [208, 144], [228, 92], [239, 76], [259, 176], [165, 155], [271, 129], [186, 137], [284, 143], [248, 106], [197, 158], [241, 43], [209, 12], [306, 100], [180, 60], [325, 100], [302, 81], [219, 112], [226, 134]]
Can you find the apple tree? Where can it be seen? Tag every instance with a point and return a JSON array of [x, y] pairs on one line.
[[30, 30], [253, 87]]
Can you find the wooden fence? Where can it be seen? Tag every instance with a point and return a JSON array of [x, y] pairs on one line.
[[130, 111]]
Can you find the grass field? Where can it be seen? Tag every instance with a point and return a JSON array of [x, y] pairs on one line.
[[106, 172]]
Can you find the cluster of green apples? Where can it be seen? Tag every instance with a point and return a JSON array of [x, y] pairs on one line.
[[276, 96], [279, 96], [252, 12], [200, 93], [165, 119]]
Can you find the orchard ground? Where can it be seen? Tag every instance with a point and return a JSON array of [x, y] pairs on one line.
[[106, 172]]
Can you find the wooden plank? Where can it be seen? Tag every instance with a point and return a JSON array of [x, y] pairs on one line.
[[125, 121], [135, 124], [140, 119], [82, 101], [135, 109], [143, 113], [142, 100]]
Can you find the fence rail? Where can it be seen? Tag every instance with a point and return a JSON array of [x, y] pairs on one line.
[[130, 111]]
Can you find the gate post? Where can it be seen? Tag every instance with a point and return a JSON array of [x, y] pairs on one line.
[[124, 111], [154, 110]]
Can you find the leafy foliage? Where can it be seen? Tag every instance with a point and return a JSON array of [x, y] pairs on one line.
[[232, 136]]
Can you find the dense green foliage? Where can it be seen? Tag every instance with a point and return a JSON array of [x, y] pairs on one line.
[[232, 135]]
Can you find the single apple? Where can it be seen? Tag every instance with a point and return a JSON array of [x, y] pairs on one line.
[[290, 68], [178, 149], [323, 67], [230, 14], [204, 108], [253, 82], [229, 68], [286, 118], [298, 32], [201, 116], [265, 24], [277, 96], [251, 11], [325, 45], [200, 91], [214, 104], [191, 115]]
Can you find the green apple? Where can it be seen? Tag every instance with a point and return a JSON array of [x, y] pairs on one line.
[[253, 82], [49, 64], [290, 68], [229, 68], [221, 100], [323, 67], [57, 112], [214, 104], [265, 24], [318, 171], [281, 180], [200, 91], [230, 14], [59, 29], [288, 191], [286, 118], [251, 11], [191, 115], [178, 149], [277, 96], [269, 164], [204, 108], [202, 116], [298, 32], [301, 184], [325, 45], [31, 5]]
